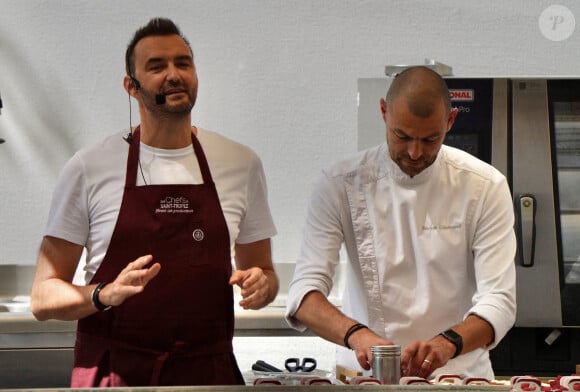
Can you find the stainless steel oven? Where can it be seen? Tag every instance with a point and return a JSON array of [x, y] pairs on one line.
[[546, 186]]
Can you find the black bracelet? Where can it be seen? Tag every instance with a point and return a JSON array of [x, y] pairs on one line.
[[454, 338], [95, 297], [350, 331]]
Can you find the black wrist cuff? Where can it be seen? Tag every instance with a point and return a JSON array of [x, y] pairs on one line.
[[101, 307], [454, 338], [350, 331]]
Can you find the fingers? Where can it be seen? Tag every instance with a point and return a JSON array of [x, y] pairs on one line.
[[364, 358], [425, 369], [420, 359], [135, 274], [238, 277], [254, 287], [364, 362], [361, 342], [137, 264], [131, 280], [247, 278]]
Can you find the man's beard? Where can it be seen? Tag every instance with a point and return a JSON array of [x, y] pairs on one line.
[[404, 161], [171, 110]]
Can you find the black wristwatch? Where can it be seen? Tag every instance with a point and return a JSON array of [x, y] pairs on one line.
[[454, 338], [101, 307]]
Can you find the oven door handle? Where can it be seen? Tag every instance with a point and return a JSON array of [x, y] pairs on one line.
[[525, 206]]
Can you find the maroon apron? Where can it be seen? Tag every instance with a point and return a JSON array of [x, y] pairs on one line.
[[179, 330]]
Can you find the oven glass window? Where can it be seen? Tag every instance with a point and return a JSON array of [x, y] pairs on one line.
[[566, 115]]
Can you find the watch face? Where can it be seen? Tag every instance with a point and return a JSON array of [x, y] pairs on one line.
[[452, 335], [454, 338]]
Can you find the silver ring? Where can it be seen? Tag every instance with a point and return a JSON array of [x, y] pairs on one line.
[[428, 362]]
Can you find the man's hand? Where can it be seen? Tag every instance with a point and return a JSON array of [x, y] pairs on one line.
[[421, 358], [130, 281], [254, 287], [361, 342]]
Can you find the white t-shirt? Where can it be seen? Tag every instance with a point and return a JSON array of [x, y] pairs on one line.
[[89, 190], [423, 252]]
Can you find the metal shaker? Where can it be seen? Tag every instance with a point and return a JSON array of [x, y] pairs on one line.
[[387, 363]]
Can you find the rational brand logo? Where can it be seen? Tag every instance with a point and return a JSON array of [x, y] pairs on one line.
[[462, 95], [174, 205]]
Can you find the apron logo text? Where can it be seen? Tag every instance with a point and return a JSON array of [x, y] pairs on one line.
[[174, 205]]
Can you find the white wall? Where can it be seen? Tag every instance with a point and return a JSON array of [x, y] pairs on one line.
[[279, 76]]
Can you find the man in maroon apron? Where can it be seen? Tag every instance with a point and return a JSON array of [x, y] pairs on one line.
[[167, 317], [176, 336]]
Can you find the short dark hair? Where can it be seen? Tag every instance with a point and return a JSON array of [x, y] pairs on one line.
[[155, 27]]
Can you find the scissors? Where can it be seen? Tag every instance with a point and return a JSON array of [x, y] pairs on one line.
[[264, 367], [294, 365]]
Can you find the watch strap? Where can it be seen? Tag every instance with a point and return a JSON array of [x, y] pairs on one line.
[[101, 307], [454, 338], [350, 331]]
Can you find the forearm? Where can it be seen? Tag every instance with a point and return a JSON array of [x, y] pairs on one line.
[[61, 300], [423, 357], [53, 296], [476, 333], [323, 318], [255, 274]]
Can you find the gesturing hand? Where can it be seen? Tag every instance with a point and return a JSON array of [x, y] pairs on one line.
[[254, 285], [130, 281]]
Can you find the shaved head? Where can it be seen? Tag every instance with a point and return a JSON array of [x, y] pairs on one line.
[[423, 90]]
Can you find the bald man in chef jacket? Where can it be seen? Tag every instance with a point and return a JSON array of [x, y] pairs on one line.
[[428, 230]]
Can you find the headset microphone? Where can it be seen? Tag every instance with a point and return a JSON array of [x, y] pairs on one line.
[[160, 99], [137, 85]]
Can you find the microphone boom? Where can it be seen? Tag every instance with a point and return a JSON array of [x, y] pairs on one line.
[[160, 99]]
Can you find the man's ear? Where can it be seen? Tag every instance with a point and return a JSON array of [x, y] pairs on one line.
[[383, 104], [131, 85], [451, 119]]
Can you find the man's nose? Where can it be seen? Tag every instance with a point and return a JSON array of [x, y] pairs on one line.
[[415, 149], [172, 74]]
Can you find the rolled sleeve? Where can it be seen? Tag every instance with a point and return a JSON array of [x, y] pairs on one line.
[[494, 251], [319, 254]]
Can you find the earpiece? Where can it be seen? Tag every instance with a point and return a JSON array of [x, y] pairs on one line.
[[135, 82], [159, 98]]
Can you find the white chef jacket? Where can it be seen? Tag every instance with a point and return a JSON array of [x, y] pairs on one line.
[[423, 252]]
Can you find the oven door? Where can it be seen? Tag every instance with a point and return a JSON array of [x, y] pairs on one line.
[[546, 188]]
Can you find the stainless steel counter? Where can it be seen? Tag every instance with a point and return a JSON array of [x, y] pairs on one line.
[[40, 353], [267, 322], [278, 388]]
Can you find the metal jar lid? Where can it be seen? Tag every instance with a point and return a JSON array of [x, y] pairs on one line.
[[386, 350]]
